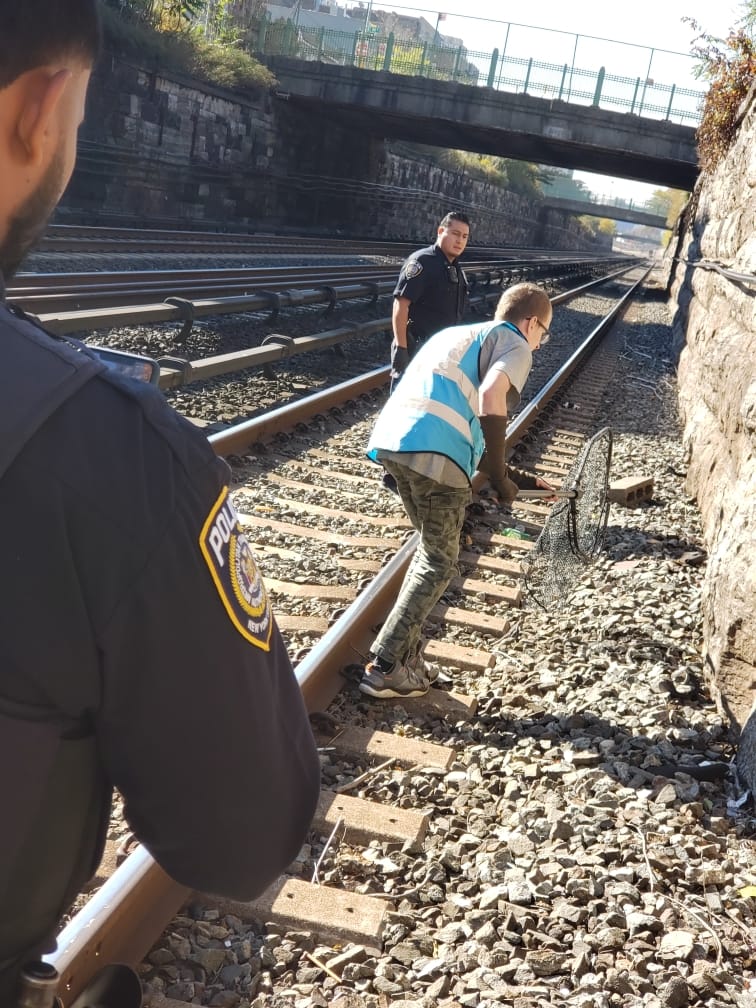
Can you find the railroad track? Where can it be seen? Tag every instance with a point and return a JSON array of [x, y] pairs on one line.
[[46, 293], [287, 465], [118, 240], [64, 238]]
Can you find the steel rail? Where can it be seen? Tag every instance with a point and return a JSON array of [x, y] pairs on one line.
[[108, 318], [116, 296], [124, 917], [212, 367], [60, 292], [33, 281], [65, 322], [350, 637], [69, 237], [491, 259], [530, 413], [239, 438], [142, 288], [130, 910]]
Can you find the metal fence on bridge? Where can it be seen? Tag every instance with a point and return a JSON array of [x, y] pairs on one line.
[[559, 82]]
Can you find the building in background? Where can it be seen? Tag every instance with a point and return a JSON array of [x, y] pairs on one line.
[[374, 39]]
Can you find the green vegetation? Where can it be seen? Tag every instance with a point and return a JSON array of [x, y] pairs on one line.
[[561, 185], [519, 177], [599, 225], [196, 38], [667, 203], [211, 40], [730, 66]]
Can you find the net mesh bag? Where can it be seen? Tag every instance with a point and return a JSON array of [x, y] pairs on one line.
[[573, 535]]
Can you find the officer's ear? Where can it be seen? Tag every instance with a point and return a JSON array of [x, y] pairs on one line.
[[37, 124]]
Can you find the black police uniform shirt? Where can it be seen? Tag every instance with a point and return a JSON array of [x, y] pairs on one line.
[[436, 288], [131, 599]]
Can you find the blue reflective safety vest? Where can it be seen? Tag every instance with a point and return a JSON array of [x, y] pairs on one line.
[[434, 408]]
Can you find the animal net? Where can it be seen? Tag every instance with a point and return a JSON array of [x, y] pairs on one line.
[[573, 535]]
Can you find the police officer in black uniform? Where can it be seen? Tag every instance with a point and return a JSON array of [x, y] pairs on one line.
[[138, 650], [431, 291]]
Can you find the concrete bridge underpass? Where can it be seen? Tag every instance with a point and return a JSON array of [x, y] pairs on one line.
[[488, 121], [584, 208]]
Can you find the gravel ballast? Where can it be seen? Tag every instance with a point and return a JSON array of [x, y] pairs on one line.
[[590, 845]]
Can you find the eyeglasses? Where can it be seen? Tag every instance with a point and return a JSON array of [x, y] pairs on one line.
[[546, 332]]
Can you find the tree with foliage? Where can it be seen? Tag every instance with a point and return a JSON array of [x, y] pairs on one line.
[[520, 177], [730, 65], [560, 184], [170, 15], [525, 178], [174, 14], [606, 226], [667, 203], [193, 37], [230, 22], [598, 225]]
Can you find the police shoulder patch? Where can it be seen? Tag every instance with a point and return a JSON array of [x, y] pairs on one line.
[[235, 573], [412, 269]]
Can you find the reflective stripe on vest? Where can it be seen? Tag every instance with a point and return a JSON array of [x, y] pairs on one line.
[[434, 408]]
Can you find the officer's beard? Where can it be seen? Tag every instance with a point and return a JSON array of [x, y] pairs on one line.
[[30, 220]]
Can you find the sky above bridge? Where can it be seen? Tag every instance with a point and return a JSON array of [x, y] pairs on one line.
[[649, 23], [645, 39]]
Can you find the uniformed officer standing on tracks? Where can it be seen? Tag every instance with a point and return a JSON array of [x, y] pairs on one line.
[[431, 291], [137, 645]]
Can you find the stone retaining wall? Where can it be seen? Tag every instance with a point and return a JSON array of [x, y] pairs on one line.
[[715, 326], [162, 150]]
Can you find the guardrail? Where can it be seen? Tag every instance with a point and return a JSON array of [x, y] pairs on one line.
[[642, 96]]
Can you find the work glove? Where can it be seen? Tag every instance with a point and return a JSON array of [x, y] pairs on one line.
[[524, 480], [493, 462], [399, 361], [527, 481], [504, 488]]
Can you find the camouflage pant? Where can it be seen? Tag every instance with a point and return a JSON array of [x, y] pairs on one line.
[[436, 512]]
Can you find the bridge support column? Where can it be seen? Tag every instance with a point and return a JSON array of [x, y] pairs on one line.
[[543, 220]]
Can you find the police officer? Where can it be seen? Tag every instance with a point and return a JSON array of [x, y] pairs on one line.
[[137, 645], [431, 291]]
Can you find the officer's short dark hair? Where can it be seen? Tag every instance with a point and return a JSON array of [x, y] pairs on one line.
[[455, 215], [36, 32]]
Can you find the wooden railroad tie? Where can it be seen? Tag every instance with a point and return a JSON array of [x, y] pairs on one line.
[[330, 914]]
